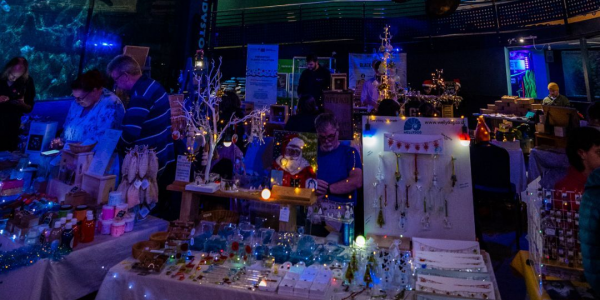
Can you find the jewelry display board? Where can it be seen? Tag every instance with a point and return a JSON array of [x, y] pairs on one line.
[[421, 160]]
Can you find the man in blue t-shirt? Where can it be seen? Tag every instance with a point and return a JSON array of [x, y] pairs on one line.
[[340, 168]]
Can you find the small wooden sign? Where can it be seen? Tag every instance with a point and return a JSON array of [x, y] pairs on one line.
[[341, 105]]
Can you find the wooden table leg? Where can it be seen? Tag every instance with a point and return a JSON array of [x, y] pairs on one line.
[[189, 207]]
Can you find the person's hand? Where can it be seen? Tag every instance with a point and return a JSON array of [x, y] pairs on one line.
[[3, 99], [57, 144], [322, 187]]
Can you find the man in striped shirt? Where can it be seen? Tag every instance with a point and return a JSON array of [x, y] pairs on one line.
[[147, 120]]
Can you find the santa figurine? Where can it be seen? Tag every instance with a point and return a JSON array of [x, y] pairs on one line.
[[296, 169], [428, 87]]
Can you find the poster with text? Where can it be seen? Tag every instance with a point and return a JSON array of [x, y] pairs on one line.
[[261, 74], [360, 69]]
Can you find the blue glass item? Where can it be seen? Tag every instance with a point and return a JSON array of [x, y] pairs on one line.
[[266, 235], [304, 251], [227, 230], [260, 252], [281, 253], [247, 231], [215, 244], [205, 232]]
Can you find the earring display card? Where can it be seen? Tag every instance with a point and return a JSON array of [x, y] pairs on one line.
[[427, 186]]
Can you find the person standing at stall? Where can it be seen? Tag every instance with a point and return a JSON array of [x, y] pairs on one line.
[[370, 90], [17, 93], [314, 80], [554, 97], [147, 119]]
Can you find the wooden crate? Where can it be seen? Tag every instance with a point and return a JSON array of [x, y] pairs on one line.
[[59, 189], [98, 186]]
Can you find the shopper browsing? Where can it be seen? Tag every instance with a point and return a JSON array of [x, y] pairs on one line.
[[147, 120], [314, 80], [17, 92], [583, 152], [554, 97], [304, 119], [370, 91]]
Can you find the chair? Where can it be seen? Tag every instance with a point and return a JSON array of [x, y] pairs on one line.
[[490, 171]]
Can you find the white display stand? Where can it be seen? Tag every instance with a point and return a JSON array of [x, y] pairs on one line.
[[376, 141]]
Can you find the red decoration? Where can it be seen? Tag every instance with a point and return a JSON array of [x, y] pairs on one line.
[[407, 146], [417, 147], [390, 143], [426, 146], [248, 249], [235, 246], [398, 144]]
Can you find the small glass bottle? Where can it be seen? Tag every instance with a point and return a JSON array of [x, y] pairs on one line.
[[56, 233], [67, 236], [76, 232], [88, 228]]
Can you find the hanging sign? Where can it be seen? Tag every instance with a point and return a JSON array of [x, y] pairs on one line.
[[410, 143], [261, 74]]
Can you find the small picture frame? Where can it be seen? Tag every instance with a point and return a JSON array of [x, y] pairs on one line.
[[339, 82], [279, 114]]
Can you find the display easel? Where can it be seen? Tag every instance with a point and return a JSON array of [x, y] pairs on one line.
[[423, 138]]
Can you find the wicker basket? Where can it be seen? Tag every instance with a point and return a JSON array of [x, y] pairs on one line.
[[138, 248], [78, 148], [220, 216], [160, 237]]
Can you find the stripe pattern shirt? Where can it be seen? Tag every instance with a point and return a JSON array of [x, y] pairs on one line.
[[147, 121]]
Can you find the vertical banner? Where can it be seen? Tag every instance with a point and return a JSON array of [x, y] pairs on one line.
[[261, 74], [360, 69]]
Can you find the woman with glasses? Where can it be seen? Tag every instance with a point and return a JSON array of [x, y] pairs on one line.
[[94, 110], [17, 92]]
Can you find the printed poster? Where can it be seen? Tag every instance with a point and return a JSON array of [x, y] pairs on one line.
[[360, 69], [261, 74]]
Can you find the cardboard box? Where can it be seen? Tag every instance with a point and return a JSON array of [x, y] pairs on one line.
[[499, 103], [525, 101], [491, 106], [487, 111], [560, 131], [540, 128], [536, 106]]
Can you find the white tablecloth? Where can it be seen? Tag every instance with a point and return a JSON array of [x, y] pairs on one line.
[[123, 284], [77, 274], [518, 174]]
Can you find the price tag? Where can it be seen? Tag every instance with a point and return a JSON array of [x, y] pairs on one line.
[[284, 214]]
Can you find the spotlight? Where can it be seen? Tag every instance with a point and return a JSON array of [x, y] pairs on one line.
[[521, 40]]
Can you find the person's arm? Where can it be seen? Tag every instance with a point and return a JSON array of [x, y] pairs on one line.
[[25, 104], [110, 118], [350, 184], [134, 118]]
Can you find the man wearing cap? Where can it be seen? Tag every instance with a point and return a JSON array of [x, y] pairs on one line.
[[296, 169], [554, 97]]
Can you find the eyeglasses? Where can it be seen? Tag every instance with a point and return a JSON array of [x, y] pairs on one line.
[[293, 152], [81, 98], [118, 77], [327, 138]]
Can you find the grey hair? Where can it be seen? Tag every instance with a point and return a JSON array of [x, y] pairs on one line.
[[124, 64], [325, 119]]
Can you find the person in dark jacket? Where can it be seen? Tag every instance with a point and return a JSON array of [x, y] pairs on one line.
[[231, 105], [589, 230], [304, 120], [314, 80], [17, 92]]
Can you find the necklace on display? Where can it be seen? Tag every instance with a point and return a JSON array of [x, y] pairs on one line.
[[406, 190], [398, 178], [416, 169], [453, 178], [425, 224], [385, 193], [447, 223], [379, 176], [380, 220]]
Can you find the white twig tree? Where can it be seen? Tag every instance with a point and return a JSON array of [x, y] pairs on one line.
[[203, 116]]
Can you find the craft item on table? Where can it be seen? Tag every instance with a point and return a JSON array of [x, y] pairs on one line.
[[115, 198], [380, 177], [29, 255], [416, 169], [453, 178], [108, 212], [105, 226], [406, 190], [139, 185], [80, 212], [482, 131], [121, 210], [117, 229], [380, 219], [450, 246]]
